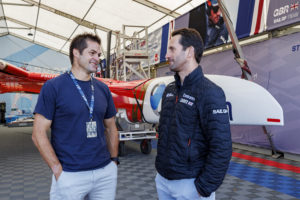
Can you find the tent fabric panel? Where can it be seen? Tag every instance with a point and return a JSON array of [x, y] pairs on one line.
[[51, 41], [3, 24], [65, 48], [116, 13], [75, 8], [170, 4], [21, 13], [22, 32], [55, 23]]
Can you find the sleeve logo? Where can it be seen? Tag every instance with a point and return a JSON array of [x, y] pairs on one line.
[[219, 111]]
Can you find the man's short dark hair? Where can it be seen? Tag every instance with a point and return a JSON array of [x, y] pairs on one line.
[[191, 37], [79, 42]]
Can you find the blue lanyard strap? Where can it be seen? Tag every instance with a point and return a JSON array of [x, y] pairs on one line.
[[91, 108]]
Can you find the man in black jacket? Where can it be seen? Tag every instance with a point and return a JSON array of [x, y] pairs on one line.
[[194, 145]]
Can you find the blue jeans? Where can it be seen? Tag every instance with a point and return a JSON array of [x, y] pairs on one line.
[[98, 184], [183, 189]]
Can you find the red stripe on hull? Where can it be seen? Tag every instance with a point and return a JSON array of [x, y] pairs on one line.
[[273, 120]]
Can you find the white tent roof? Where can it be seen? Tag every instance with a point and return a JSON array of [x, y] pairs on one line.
[[53, 23]]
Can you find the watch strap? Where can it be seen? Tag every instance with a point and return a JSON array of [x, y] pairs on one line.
[[115, 159]]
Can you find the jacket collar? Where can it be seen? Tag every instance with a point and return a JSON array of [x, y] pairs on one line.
[[190, 79]]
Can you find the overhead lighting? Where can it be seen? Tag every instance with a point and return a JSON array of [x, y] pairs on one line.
[[30, 33]]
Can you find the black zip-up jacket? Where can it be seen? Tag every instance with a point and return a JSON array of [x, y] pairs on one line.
[[194, 133]]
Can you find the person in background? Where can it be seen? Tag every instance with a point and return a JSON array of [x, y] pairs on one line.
[[84, 139], [216, 33], [194, 144]]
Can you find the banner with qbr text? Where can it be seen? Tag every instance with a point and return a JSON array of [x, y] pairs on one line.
[[282, 13]]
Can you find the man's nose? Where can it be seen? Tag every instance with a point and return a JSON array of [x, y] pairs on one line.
[[167, 55], [97, 58]]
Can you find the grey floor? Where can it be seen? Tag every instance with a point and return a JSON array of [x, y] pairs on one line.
[[24, 175]]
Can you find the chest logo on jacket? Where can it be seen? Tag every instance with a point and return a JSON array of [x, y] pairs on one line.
[[169, 95], [187, 99]]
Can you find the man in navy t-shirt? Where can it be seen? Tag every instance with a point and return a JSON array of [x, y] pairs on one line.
[[84, 139]]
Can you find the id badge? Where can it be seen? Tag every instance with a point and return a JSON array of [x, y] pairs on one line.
[[91, 129]]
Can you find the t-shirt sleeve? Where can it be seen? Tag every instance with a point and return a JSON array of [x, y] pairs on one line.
[[111, 109], [46, 101]]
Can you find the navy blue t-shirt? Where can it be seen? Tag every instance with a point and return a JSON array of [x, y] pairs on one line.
[[61, 102]]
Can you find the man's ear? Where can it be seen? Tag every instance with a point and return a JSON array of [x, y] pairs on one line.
[[76, 52], [191, 52]]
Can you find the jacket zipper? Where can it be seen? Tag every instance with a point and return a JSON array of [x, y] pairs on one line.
[[189, 149]]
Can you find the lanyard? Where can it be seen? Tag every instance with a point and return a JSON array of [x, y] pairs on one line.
[[91, 108]]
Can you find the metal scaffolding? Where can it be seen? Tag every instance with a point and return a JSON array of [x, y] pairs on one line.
[[131, 60]]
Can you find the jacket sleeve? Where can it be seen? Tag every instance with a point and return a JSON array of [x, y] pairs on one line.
[[216, 127]]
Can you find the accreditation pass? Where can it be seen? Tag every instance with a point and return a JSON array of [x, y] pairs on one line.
[[91, 129]]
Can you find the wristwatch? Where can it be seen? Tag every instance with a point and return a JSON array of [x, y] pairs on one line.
[[116, 159]]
